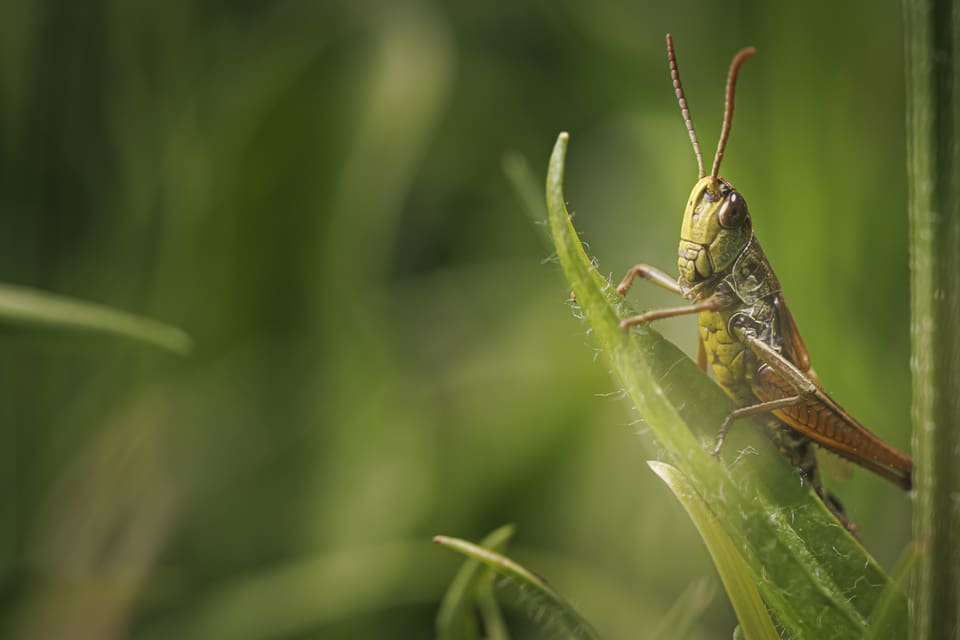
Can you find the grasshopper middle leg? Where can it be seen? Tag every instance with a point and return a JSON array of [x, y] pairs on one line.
[[772, 358]]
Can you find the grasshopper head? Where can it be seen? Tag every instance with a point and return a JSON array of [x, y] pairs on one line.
[[716, 228], [716, 224]]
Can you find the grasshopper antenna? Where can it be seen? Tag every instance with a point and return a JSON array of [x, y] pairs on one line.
[[727, 108], [678, 89]]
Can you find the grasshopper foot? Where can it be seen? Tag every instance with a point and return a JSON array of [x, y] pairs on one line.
[[715, 453], [721, 436], [626, 323]]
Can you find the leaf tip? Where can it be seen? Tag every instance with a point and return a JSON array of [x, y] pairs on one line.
[[658, 467], [180, 342], [560, 147]]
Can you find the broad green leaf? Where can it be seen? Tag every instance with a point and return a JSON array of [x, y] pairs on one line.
[[32, 308], [746, 601], [816, 579], [455, 619], [551, 606]]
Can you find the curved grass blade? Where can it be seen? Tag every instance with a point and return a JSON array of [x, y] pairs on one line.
[[494, 626], [32, 308], [551, 605], [816, 580], [454, 619], [746, 601], [518, 172], [685, 611], [888, 620]]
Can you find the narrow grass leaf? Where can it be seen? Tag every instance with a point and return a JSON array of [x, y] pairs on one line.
[[525, 186], [494, 626], [685, 611], [746, 601], [455, 620], [888, 619], [551, 606], [32, 308]]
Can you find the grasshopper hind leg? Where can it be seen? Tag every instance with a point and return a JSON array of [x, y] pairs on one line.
[[802, 454]]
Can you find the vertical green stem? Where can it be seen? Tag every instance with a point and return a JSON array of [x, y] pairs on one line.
[[933, 162]]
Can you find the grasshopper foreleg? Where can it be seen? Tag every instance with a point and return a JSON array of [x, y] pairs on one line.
[[654, 275], [661, 279]]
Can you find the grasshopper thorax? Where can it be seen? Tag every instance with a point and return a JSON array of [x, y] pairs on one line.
[[716, 228]]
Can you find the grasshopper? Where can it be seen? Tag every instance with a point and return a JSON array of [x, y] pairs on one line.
[[746, 331]]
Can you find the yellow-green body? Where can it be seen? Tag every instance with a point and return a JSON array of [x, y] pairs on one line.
[[726, 259], [725, 355], [720, 257], [753, 346]]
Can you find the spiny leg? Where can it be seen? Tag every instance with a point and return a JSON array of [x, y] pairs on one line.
[[801, 383], [805, 388], [799, 449], [837, 510]]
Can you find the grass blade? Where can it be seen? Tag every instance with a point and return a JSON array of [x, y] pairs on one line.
[[32, 308], [685, 611], [454, 619], [551, 606], [887, 619], [746, 601]]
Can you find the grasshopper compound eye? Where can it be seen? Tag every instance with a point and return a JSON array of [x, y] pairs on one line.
[[733, 211]]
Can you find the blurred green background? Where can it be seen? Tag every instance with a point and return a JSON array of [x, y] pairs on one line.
[[315, 191]]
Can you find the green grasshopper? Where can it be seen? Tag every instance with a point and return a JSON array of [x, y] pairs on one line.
[[747, 333]]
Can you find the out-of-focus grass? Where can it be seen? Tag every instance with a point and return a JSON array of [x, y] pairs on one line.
[[314, 192]]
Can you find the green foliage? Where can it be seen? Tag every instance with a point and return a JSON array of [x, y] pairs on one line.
[[754, 619], [473, 585], [552, 610], [383, 348]]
